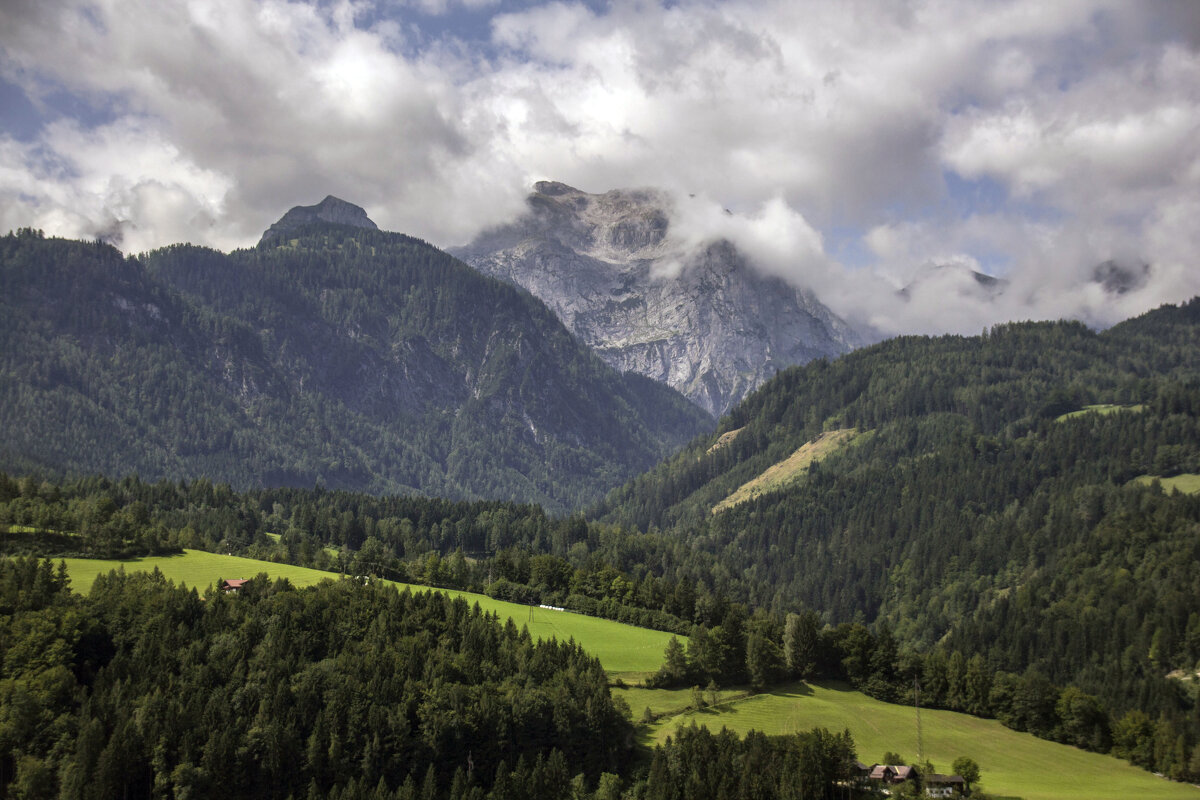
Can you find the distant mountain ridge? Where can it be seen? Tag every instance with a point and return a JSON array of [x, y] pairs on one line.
[[1114, 278], [703, 321], [350, 357]]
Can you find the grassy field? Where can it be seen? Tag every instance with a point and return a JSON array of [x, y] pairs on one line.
[[667, 701], [1013, 764], [1100, 408], [789, 469], [1188, 484], [194, 568], [624, 650]]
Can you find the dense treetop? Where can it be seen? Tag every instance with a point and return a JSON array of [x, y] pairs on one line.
[[144, 689]]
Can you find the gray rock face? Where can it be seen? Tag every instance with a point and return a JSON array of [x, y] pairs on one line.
[[331, 209], [702, 321]]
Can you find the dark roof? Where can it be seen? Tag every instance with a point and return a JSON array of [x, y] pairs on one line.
[[944, 779]]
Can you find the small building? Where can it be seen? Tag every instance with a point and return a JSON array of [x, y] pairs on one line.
[[231, 585], [888, 773], [944, 785], [860, 775]]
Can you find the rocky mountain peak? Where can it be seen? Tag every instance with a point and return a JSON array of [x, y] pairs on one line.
[[615, 226], [554, 188], [331, 209], [701, 319]]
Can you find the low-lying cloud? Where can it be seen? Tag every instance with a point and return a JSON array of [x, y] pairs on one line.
[[857, 145]]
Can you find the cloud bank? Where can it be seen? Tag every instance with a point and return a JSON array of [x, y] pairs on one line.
[[857, 144]]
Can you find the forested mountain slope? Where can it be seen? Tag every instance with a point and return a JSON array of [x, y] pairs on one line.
[[342, 355], [972, 507]]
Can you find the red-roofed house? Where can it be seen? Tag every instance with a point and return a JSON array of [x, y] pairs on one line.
[[232, 585]]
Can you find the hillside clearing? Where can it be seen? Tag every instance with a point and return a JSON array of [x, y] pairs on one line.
[[667, 701], [724, 440], [1186, 483], [1099, 408], [623, 650], [790, 469], [1015, 764]]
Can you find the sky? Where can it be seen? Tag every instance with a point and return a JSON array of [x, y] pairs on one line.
[[862, 147]]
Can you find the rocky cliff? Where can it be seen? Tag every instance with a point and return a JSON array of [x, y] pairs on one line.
[[701, 320]]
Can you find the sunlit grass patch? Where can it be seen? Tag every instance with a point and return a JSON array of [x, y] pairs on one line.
[[1015, 764], [790, 469]]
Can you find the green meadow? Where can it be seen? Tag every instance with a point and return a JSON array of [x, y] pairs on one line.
[[1012, 764], [1187, 483], [623, 649]]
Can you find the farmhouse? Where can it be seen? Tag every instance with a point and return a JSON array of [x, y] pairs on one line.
[[887, 773], [231, 585], [936, 785], [944, 785]]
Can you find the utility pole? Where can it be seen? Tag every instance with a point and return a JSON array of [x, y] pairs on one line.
[[920, 736]]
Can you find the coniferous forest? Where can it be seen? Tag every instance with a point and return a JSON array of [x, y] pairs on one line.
[[344, 357], [342, 690]]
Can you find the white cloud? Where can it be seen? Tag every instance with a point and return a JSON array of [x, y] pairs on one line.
[[289, 102], [157, 195], [806, 119], [774, 236]]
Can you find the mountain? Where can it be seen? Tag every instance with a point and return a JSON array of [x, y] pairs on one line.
[[339, 355], [331, 209], [1008, 495], [703, 321]]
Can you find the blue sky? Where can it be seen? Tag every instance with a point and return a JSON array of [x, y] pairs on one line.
[[859, 144]]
